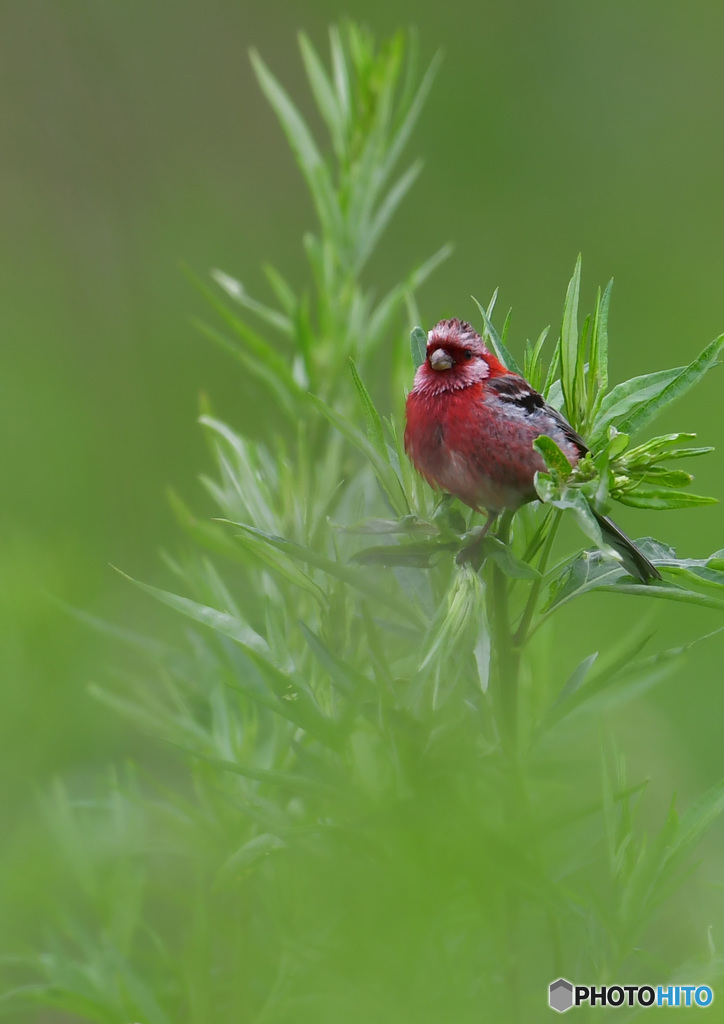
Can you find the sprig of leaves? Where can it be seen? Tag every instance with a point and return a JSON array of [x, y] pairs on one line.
[[363, 723]]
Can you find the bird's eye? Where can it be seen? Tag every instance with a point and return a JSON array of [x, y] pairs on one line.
[[468, 355]]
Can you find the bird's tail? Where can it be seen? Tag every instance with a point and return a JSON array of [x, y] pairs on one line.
[[634, 560]]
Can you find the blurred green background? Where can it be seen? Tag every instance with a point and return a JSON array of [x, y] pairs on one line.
[[135, 139]]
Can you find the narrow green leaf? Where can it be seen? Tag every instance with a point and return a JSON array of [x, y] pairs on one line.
[[569, 347], [686, 379], [157, 650], [248, 854], [236, 291], [702, 575], [537, 350], [375, 430], [406, 525], [575, 681], [506, 326], [553, 456], [662, 498], [663, 477], [421, 273], [617, 445], [569, 817], [593, 386], [482, 645], [705, 570], [291, 781], [324, 94], [383, 138], [403, 132], [304, 148], [589, 682], [491, 335], [386, 474], [280, 564], [286, 390], [144, 1000], [386, 211], [573, 498], [694, 823], [336, 569], [282, 289], [552, 383], [657, 448], [290, 703], [590, 571], [630, 395], [340, 72], [412, 59], [205, 533], [507, 562], [663, 450], [668, 591], [601, 335], [258, 346], [637, 677], [418, 554], [581, 368], [220, 622], [460, 624], [343, 675], [418, 346], [533, 371]]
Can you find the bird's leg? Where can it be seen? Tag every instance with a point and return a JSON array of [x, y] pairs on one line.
[[472, 551]]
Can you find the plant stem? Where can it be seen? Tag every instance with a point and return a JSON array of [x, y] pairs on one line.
[[507, 660], [506, 656], [538, 538], [521, 633]]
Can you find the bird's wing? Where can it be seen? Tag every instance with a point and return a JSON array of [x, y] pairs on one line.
[[515, 390], [511, 388]]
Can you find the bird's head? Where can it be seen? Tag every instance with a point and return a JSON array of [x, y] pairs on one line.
[[456, 358]]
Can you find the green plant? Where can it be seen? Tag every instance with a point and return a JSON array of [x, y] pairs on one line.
[[381, 820]]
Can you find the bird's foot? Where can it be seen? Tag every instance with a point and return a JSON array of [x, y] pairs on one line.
[[472, 552]]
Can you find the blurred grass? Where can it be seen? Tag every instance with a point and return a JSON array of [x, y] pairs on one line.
[[135, 137]]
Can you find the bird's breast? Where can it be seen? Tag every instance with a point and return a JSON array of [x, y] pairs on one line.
[[463, 443], [443, 439]]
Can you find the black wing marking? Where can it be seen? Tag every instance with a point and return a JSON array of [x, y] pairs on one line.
[[514, 389]]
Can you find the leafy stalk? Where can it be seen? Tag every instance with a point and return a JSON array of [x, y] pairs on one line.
[[368, 746]]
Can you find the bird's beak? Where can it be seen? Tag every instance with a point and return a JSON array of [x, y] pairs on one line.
[[440, 360]]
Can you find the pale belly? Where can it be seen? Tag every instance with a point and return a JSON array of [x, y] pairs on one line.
[[455, 472]]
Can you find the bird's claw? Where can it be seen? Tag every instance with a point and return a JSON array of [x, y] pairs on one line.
[[471, 553]]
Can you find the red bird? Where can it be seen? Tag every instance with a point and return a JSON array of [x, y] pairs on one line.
[[470, 429]]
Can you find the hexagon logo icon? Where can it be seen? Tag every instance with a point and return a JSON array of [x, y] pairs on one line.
[[560, 995]]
